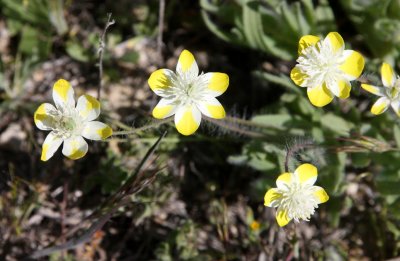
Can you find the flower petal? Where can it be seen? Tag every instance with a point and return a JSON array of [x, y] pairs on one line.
[[50, 146], [335, 41], [340, 88], [88, 107], [320, 194], [306, 173], [353, 64], [396, 106], [298, 77], [271, 197], [319, 96], [282, 217], [380, 106], [374, 89], [43, 116], [306, 41], [160, 81], [96, 130], [388, 75], [216, 83], [187, 119], [75, 147], [187, 65], [164, 109], [212, 108], [63, 94], [284, 180]]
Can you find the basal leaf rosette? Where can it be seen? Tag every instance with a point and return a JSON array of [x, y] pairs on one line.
[[388, 93], [188, 95], [326, 68], [69, 123], [295, 196]]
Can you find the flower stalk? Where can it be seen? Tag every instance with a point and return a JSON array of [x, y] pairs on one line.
[[143, 128]]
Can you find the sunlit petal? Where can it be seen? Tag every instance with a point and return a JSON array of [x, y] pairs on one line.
[[50, 146], [75, 147], [63, 94], [187, 119]]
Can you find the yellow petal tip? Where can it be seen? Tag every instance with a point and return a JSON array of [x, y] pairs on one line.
[[105, 132]]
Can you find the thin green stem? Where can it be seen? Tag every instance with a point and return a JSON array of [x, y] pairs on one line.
[[232, 128], [120, 124], [197, 138], [143, 128]]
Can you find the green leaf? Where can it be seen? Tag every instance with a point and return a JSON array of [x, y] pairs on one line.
[[56, 16], [389, 187], [281, 80], [360, 160], [130, 57], [277, 120], [288, 15], [332, 175], [336, 124], [256, 161], [76, 51], [34, 42], [396, 133]]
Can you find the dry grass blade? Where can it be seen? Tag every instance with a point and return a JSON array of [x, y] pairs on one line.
[[134, 184]]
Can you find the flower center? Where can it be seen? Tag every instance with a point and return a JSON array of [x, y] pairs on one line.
[[67, 123], [299, 201], [392, 93], [320, 63], [186, 91]]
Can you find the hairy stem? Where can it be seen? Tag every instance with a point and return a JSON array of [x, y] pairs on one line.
[[225, 125], [102, 45], [143, 128], [294, 149]]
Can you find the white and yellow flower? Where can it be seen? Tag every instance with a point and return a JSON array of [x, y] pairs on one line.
[[389, 93], [187, 94], [296, 197], [326, 68], [69, 123]]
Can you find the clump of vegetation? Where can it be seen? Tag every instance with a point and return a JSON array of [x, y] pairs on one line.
[[155, 163]]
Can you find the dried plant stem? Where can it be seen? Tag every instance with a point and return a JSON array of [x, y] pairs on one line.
[[161, 14], [292, 236], [102, 45], [143, 128], [63, 212]]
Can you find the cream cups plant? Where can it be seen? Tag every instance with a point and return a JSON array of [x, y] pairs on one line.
[[389, 93], [296, 197], [188, 95], [69, 124], [326, 68]]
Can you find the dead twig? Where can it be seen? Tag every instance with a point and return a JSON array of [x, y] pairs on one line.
[[161, 15], [63, 210], [102, 46]]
